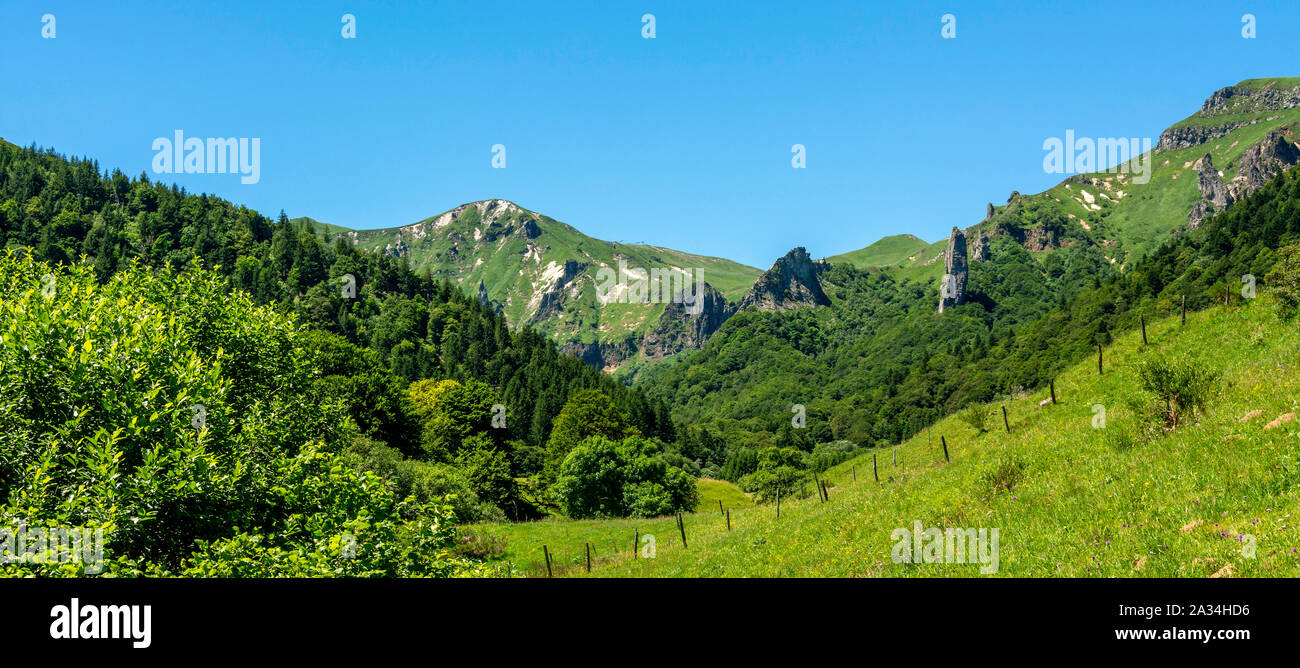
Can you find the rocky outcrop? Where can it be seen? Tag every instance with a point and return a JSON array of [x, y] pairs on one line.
[[1245, 99], [1210, 182], [1215, 196], [989, 213], [1260, 163], [1224, 102], [1263, 161], [790, 284], [398, 248], [952, 292], [600, 355], [1187, 136], [686, 323]]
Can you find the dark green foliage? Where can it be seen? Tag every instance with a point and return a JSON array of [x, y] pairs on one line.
[[588, 413], [604, 478], [1284, 281]]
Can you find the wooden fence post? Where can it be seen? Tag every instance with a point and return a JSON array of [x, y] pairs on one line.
[[588, 546], [945, 448], [855, 472], [681, 526], [728, 520], [636, 543], [1099, 358], [547, 554], [1005, 423], [1051, 384], [778, 503], [1143, 320], [720, 510], [875, 472], [1184, 309]]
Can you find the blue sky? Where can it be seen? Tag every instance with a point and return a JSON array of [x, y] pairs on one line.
[[683, 140]]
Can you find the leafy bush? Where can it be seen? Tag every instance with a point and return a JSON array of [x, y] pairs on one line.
[[975, 416], [826, 455], [181, 419], [778, 470], [601, 478], [1180, 388], [1284, 281]]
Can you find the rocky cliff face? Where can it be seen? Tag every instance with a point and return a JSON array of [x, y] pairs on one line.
[[1258, 165], [557, 282], [790, 284], [687, 323], [1226, 101], [1263, 161], [952, 292]]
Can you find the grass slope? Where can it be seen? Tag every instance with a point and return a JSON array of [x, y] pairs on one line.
[[1086, 507], [714, 491], [886, 252]]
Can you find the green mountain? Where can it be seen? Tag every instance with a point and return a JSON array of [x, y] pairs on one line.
[[1111, 209], [545, 274]]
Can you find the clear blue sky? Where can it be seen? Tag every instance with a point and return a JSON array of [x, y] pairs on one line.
[[682, 141]]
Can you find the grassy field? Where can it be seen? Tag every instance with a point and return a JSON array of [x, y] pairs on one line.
[[886, 252], [714, 491], [1090, 502]]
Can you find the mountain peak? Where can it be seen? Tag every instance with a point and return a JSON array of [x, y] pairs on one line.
[[790, 284]]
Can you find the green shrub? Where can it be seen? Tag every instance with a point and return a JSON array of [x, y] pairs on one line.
[[181, 419], [1284, 281], [601, 478], [976, 416], [1180, 388]]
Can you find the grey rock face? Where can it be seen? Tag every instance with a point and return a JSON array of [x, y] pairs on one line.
[[1259, 164], [1175, 139], [1230, 100], [952, 292], [553, 299], [1211, 185], [989, 213], [790, 284], [1263, 161], [687, 322]]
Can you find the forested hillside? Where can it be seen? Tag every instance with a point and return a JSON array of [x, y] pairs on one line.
[[478, 425]]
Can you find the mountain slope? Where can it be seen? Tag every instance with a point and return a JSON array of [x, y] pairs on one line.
[[546, 274], [1108, 209]]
